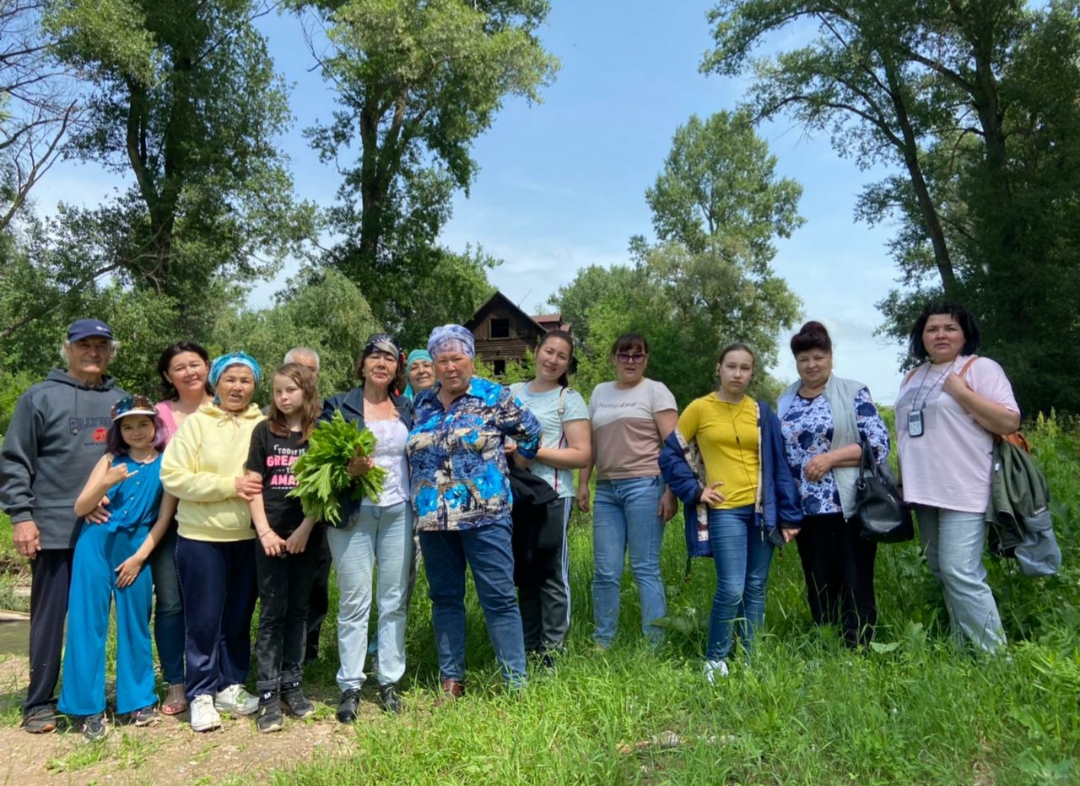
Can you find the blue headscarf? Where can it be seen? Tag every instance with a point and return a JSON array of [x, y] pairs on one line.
[[416, 354], [217, 368], [451, 338]]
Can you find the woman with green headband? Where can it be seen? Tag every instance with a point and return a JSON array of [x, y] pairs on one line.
[[203, 467], [419, 373]]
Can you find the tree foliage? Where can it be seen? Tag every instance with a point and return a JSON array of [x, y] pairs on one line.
[[976, 105], [717, 206], [185, 101], [417, 83]]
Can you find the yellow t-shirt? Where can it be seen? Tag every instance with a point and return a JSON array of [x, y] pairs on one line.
[[727, 436]]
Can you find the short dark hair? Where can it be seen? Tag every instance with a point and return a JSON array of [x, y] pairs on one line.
[[812, 335], [628, 341], [168, 389], [397, 384], [737, 346], [972, 337], [564, 380]]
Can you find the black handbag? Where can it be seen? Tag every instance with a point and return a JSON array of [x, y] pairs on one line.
[[880, 512]]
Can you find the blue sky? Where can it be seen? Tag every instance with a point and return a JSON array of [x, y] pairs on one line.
[[561, 184]]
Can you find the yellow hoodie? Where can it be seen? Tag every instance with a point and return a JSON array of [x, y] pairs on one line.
[[200, 468]]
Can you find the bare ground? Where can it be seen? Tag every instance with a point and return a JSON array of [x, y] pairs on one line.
[[169, 753]]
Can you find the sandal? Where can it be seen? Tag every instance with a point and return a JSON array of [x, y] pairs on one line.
[[175, 701]]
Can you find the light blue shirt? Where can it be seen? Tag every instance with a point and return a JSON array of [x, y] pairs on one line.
[[545, 406]]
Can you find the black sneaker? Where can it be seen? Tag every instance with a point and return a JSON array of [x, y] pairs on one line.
[[94, 727], [269, 717], [147, 716], [298, 705], [40, 720], [349, 704], [391, 698]]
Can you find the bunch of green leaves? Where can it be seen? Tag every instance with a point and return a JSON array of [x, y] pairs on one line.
[[322, 475]]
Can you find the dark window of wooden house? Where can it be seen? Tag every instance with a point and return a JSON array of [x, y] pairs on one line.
[[500, 328], [499, 367]]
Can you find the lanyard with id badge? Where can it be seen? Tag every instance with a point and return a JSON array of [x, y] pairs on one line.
[[916, 425]]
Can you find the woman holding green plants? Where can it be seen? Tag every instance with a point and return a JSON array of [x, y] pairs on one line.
[[374, 530]]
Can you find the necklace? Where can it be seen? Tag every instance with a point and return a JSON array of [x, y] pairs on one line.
[[382, 410]]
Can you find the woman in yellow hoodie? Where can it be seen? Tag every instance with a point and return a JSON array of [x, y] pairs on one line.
[[203, 467]]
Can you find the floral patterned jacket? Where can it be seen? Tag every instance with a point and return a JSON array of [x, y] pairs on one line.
[[459, 478]]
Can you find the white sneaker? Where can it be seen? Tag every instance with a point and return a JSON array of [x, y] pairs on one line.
[[203, 715], [714, 670], [236, 700]]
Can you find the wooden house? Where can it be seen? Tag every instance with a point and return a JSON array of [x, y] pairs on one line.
[[504, 333]]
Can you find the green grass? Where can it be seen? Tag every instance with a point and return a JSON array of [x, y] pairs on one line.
[[910, 710], [806, 711]]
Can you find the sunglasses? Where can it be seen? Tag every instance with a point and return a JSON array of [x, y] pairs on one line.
[[630, 357]]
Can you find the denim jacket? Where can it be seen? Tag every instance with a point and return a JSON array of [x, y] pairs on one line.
[[351, 405]]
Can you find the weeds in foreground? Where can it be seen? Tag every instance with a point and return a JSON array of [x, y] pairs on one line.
[[804, 710]]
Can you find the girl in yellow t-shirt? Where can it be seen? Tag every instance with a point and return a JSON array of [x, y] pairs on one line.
[[728, 427]]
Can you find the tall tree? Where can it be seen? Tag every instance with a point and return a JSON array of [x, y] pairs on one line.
[[186, 102], [717, 207], [417, 83], [976, 102]]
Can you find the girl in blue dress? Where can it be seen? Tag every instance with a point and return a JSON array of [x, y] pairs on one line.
[[108, 564]]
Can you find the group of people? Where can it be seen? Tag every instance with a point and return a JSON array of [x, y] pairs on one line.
[[99, 483]]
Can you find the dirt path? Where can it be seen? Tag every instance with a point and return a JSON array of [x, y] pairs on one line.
[[167, 754]]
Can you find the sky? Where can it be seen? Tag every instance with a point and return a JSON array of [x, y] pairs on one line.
[[561, 184]]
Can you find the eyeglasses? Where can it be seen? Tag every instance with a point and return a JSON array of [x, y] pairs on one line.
[[630, 357]]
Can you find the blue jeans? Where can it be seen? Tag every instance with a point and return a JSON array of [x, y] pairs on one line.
[[168, 609], [488, 552], [742, 553], [381, 535], [953, 541], [625, 518]]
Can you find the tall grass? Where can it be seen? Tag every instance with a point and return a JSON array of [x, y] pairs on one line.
[[804, 710]]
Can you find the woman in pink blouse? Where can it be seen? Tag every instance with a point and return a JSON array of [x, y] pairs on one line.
[[183, 368], [947, 414]]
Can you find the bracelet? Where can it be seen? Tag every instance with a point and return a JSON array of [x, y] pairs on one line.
[[269, 531]]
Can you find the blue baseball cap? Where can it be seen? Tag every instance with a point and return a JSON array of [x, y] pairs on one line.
[[88, 328]]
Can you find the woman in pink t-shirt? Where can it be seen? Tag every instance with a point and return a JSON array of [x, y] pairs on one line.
[[947, 413], [183, 368]]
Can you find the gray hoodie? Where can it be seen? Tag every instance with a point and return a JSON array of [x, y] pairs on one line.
[[56, 436]]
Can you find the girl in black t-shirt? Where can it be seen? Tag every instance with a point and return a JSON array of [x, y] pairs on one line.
[[283, 563]]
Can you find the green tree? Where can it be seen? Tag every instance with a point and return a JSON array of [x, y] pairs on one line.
[[186, 101], [976, 103], [417, 83], [717, 207]]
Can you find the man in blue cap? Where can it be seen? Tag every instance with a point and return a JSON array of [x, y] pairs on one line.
[[57, 434]]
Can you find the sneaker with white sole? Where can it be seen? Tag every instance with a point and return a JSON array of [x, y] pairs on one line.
[[236, 700], [203, 715], [715, 670]]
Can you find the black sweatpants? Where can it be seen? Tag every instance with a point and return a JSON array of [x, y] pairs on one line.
[[839, 568], [319, 599], [50, 584], [284, 589]]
